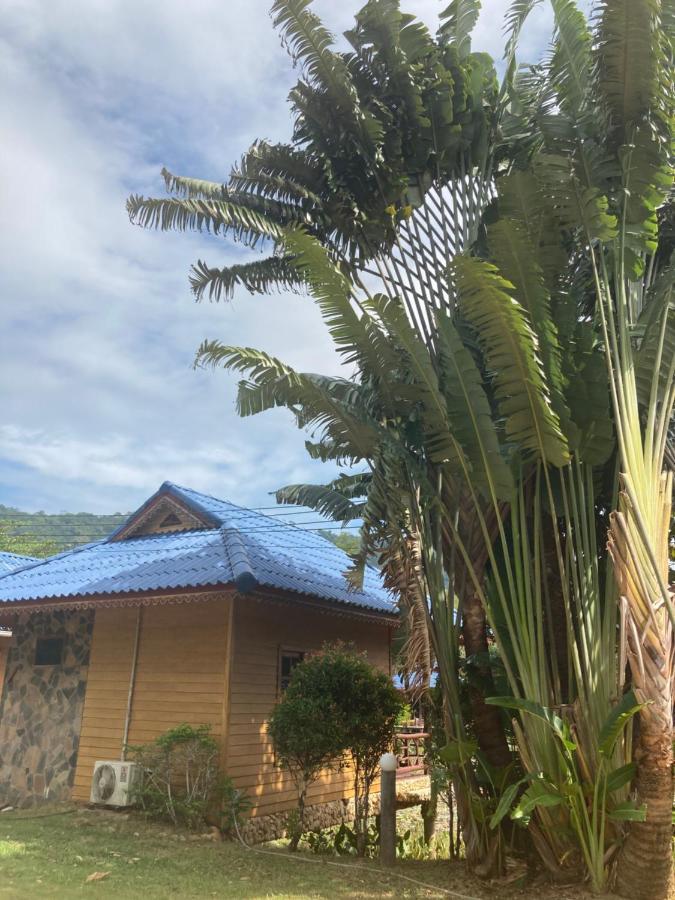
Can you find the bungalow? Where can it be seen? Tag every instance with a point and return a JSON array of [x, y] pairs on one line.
[[194, 610]]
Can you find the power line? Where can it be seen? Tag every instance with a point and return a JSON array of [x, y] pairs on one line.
[[322, 526], [294, 510]]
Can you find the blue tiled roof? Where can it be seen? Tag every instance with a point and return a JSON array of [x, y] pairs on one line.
[[11, 561], [239, 547]]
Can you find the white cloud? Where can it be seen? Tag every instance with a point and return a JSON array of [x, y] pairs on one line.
[[99, 329]]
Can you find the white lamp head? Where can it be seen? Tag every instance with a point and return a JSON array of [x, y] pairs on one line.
[[388, 762]]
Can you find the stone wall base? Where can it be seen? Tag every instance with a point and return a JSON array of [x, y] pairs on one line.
[[258, 829]]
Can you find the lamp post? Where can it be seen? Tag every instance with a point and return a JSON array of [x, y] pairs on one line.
[[388, 764]]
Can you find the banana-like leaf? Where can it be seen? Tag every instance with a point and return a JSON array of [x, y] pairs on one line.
[[470, 414], [514, 19], [570, 67], [457, 22], [310, 45], [658, 321], [632, 71], [616, 721], [558, 725], [457, 752], [539, 793], [516, 258], [505, 802], [441, 443], [628, 812], [334, 405], [620, 777], [510, 346]]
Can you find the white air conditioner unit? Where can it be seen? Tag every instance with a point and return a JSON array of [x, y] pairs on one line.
[[113, 781]]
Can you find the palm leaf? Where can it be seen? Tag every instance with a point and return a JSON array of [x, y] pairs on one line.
[[217, 216], [469, 413], [510, 347], [335, 500], [457, 22], [257, 277], [516, 258], [632, 71], [570, 65], [193, 188], [656, 357], [335, 406]]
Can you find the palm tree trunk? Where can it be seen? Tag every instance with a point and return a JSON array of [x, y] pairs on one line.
[[486, 719], [645, 867]]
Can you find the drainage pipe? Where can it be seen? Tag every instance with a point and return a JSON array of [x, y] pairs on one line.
[[132, 683]]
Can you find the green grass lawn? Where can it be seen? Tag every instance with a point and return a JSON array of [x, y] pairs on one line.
[[53, 856]]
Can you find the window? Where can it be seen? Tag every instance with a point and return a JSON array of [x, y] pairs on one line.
[[49, 651], [288, 660]]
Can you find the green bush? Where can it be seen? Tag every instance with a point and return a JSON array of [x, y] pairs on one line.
[[336, 704], [181, 781]]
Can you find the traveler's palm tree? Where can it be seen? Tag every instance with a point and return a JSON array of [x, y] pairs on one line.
[[480, 408]]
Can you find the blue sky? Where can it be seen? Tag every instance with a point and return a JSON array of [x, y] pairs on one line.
[[100, 403]]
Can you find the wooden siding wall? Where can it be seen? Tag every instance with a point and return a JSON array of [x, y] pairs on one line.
[[181, 676], [261, 630]]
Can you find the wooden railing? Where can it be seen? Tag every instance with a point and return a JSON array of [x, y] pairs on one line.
[[410, 750]]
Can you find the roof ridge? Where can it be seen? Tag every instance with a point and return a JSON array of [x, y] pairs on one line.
[[236, 505]]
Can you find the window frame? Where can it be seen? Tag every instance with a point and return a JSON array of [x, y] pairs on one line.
[[299, 655], [49, 637]]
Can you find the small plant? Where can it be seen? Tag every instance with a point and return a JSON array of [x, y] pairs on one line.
[[180, 779], [235, 803]]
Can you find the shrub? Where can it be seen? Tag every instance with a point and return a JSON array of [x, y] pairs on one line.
[[304, 729], [336, 703], [181, 781]]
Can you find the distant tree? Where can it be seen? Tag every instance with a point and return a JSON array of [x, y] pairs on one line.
[[350, 543], [25, 544]]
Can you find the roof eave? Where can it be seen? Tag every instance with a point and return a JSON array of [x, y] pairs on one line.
[[9, 609]]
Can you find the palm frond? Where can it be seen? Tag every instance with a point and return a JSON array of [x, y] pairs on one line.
[[510, 347], [335, 499], [655, 360], [335, 406], [457, 22], [516, 258], [217, 216], [275, 273], [570, 65], [193, 188], [357, 338], [633, 76], [469, 413]]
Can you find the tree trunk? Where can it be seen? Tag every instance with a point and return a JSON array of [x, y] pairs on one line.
[[430, 813], [299, 827], [645, 867], [487, 719]]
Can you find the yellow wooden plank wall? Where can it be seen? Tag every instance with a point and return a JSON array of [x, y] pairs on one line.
[[180, 677], [260, 630]]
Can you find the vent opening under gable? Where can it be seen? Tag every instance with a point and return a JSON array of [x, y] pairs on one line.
[[163, 516]]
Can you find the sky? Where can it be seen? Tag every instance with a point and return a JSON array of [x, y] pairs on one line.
[[100, 401]]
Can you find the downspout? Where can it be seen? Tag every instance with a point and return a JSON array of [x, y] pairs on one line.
[[132, 683]]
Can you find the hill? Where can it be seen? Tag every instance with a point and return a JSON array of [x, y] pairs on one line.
[[43, 534]]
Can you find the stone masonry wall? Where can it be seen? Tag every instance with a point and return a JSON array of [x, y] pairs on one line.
[[258, 829], [41, 710]]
